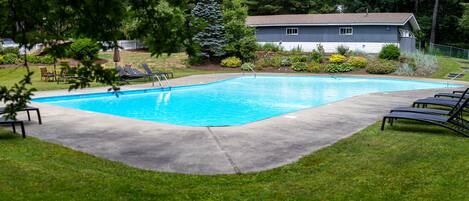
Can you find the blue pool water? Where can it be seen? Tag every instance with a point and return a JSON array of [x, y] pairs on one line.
[[233, 101]]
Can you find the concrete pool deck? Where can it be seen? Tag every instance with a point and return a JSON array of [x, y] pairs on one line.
[[252, 147]]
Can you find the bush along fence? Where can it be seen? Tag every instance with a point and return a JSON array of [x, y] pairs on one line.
[[437, 49]]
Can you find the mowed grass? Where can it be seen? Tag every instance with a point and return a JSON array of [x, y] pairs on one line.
[[173, 63], [449, 65], [406, 162]]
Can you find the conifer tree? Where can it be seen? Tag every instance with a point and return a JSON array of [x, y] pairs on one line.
[[210, 39]]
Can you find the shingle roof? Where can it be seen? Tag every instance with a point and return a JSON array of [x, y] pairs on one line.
[[334, 19]]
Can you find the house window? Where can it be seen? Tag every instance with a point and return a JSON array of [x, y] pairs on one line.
[[292, 31], [346, 31]]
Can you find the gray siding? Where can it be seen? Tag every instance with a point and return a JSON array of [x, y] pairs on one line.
[[376, 34]]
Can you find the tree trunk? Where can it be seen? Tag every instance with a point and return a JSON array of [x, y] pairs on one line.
[[416, 6], [434, 22]]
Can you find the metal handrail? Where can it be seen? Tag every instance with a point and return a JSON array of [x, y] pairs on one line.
[[252, 70], [166, 80], [160, 82]]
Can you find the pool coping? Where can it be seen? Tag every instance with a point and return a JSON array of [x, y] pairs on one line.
[[252, 147]]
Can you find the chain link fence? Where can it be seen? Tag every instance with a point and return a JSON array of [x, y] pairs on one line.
[[437, 49]]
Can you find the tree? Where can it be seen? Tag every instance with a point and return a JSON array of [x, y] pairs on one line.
[[241, 40], [161, 25], [47, 23], [211, 39], [271, 7], [464, 21], [434, 22]]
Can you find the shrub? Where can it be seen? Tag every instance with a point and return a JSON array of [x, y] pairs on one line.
[[357, 62], [314, 67], [260, 64], [424, 64], [247, 66], [1, 59], [10, 58], [299, 58], [390, 52], [285, 62], [381, 66], [297, 50], [33, 59], [316, 56], [360, 53], [275, 61], [338, 68], [270, 47], [320, 49], [342, 50], [10, 50], [84, 50], [405, 70], [231, 62], [47, 59], [337, 58], [299, 66]]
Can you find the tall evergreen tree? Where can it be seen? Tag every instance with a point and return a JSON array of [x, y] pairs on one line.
[[211, 39]]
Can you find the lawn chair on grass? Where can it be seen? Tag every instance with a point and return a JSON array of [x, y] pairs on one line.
[[13, 124], [455, 121], [452, 107], [133, 73], [157, 73], [28, 109], [46, 76]]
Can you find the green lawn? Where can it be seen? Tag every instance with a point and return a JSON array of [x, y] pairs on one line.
[[403, 163], [449, 65], [173, 63]]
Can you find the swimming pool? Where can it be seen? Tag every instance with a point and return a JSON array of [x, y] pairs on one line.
[[233, 101]]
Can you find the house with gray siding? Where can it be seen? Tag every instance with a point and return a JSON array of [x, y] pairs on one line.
[[367, 32]]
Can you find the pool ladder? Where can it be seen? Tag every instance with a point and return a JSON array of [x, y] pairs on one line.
[[162, 84], [252, 70]]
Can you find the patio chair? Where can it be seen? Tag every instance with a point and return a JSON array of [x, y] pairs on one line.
[[133, 73], [65, 75], [28, 109], [454, 122], [45, 75], [432, 111], [120, 71], [156, 72], [13, 124]]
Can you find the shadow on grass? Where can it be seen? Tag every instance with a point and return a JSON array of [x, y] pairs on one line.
[[8, 135], [420, 128]]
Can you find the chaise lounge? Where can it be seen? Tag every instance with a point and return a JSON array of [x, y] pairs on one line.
[[454, 121], [430, 110], [156, 73], [28, 109], [13, 124]]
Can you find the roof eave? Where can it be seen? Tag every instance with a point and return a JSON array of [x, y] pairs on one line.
[[413, 22], [329, 24]]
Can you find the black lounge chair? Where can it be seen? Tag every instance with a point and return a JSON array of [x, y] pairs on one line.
[[157, 73], [128, 73], [13, 124], [28, 109], [429, 110], [133, 73], [454, 122], [120, 71], [450, 95]]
